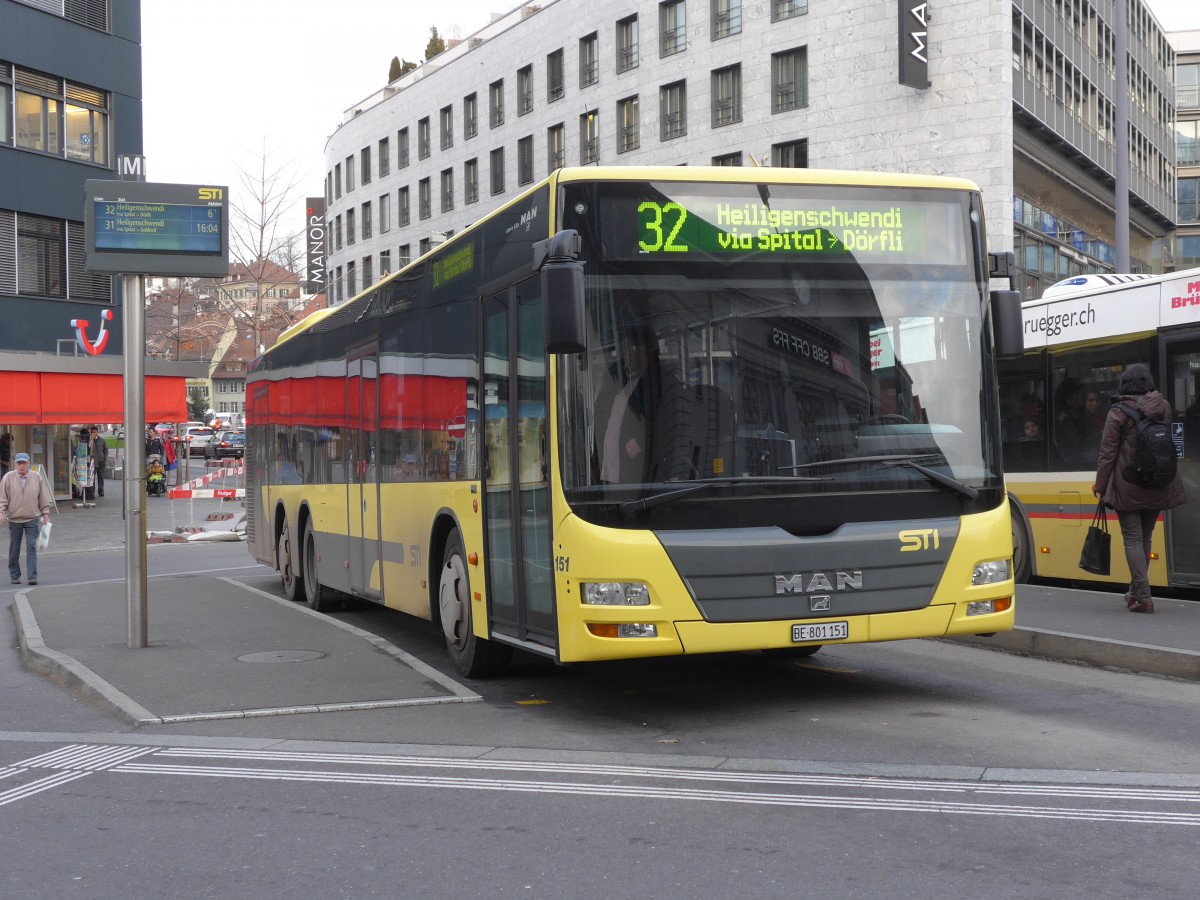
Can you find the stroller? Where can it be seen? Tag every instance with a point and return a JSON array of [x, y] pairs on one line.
[[156, 476]]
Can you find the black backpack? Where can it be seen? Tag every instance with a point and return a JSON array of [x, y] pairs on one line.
[[1154, 461]]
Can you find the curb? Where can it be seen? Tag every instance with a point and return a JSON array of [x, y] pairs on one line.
[[1062, 646], [69, 673]]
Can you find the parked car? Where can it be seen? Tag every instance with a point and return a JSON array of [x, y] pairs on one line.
[[224, 444], [196, 436]]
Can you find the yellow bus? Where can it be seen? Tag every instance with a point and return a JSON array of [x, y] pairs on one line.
[[654, 411], [1078, 338]]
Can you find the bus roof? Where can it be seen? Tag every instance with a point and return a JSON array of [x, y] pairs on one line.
[[1099, 309], [753, 175]]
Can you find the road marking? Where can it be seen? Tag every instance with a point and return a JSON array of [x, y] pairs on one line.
[[863, 793]]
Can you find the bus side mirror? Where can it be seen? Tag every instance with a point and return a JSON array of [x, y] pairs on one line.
[[1007, 325], [562, 292]]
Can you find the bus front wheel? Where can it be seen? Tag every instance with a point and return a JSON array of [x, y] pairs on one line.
[[472, 656], [285, 557], [1022, 546], [317, 595]]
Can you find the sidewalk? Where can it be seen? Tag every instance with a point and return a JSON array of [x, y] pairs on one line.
[[213, 640]]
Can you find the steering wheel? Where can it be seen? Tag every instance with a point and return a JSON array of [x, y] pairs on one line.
[[888, 418]]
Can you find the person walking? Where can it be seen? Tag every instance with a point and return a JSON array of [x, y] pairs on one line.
[[24, 504], [100, 455], [1138, 506]]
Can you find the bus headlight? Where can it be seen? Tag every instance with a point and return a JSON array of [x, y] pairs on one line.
[[990, 572], [616, 593]]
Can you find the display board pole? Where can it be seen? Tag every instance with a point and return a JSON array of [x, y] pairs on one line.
[[133, 302]]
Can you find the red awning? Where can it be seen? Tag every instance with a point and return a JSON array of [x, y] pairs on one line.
[[60, 398]]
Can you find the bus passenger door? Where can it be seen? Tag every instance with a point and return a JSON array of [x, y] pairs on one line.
[[362, 384], [516, 467], [1180, 384]]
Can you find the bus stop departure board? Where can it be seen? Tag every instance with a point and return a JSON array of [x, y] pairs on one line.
[[156, 229]]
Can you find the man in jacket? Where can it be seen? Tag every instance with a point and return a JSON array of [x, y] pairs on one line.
[[100, 455], [24, 504], [1138, 506]]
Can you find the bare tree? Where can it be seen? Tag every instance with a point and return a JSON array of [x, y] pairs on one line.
[[261, 250]]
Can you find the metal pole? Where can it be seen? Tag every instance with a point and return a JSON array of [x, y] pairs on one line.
[[134, 317], [1121, 175]]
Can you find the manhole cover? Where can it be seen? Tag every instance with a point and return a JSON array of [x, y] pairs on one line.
[[269, 656]]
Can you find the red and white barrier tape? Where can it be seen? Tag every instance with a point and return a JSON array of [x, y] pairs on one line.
[[190, 494]]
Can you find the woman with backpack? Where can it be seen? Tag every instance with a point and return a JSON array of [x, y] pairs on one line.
[[1130, 479]]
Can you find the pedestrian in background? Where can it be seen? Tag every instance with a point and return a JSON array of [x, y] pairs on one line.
[[24, 504], [100, 455], [6, 442], [1138, 506]]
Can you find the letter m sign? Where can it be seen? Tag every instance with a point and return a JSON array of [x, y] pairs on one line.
[[131, 168]]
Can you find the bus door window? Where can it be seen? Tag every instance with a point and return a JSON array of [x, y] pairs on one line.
[[1181, 387], [1023, 412]]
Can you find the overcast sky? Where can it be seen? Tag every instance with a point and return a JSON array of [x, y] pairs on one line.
[[223, 77]]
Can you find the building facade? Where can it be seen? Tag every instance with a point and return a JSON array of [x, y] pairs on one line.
[[1019, 98], [70, 103], [1187, 147]]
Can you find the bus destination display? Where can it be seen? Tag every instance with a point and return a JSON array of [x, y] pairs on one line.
[[151, 227], [678, 223]]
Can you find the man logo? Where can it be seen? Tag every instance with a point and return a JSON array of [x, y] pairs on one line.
[[818, 581]]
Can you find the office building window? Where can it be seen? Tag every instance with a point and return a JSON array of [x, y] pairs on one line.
[[424, 199], [365, 167], [496, 103], [402, 207], [339, 286], [785, 9], [497, 166], [404, 256], [727, 95], [627, 125], [447, 190], [789, 75], [446, 117], [423, 139], [627, 43], [672, 110], [349, 174], [471, 181], [727, 159], [672, 27], [385, 262], [556, 147], [524, 90], [525, 160], [726, 18], [589, 60], [337, 232], [424, 246], [337, 180], [329, 188], [368, 274], [366, 220], [41, 249], [385, 213], [55, 116], [351, 231], [1187, 142], [790, 155], [589, 137], [351, 280], [1189, 199], [402, 148], [554, 76], [1187, 85], [385, 158], [470, 116]]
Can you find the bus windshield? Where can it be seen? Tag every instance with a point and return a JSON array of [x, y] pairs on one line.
[[767, 360]]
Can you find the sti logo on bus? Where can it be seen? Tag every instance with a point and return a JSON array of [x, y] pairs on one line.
[[818, 581], [919, 539], [210, 193]]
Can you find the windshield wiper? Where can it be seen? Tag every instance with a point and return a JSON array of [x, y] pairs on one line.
[[631, 508], [898, 459]]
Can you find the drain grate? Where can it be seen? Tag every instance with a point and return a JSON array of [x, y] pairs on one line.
[[273, 656]]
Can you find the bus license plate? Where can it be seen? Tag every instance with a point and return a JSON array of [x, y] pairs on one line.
[[821, 631]]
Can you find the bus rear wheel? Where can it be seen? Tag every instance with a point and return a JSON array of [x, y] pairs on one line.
[[317, 595], [286, 559], [472, 656]]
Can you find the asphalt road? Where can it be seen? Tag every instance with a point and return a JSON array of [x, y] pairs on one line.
[[922, 768]]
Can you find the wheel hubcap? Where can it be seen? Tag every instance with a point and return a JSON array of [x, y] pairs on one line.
[[452, 601]]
